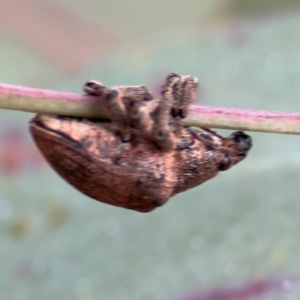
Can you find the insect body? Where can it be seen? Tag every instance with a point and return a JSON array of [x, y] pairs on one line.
[[144, 154]]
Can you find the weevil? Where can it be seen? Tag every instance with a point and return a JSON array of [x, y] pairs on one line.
[[143, 154]]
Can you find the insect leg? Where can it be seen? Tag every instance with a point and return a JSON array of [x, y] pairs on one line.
[[94, 88], [118, 101], [163, 128], [184, 93], [118, 114]]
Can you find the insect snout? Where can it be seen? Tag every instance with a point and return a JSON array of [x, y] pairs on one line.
[[243, 140]]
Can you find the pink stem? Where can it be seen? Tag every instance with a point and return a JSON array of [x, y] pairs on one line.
[[37, 100]]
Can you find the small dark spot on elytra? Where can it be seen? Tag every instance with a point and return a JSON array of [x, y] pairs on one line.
[[86, 142], [116, 160], [135, 112], [139, 154], [207, 136], [224, 163], [140, 181], [209, 147], [160, 133]]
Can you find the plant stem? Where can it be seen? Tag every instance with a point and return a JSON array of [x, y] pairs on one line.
[[62, 103]]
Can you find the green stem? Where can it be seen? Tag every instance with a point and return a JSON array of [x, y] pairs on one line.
[[37, 100]]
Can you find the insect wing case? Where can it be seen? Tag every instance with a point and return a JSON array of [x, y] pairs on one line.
[[89, 155]]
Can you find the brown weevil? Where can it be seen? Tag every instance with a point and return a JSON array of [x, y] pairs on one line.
[[143, 154]]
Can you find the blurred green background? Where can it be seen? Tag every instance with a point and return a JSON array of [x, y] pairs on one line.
[[234, 238]]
